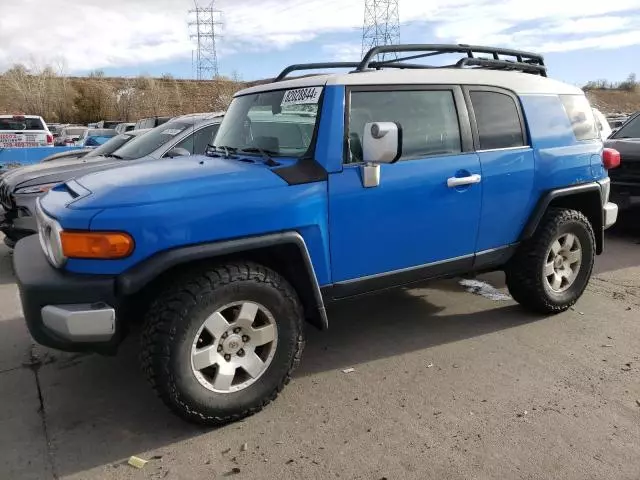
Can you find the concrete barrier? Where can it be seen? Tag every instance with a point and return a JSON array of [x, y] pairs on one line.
[[14, 157]]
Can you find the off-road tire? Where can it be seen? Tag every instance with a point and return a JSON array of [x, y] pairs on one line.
[[524, 273], [178, 312]]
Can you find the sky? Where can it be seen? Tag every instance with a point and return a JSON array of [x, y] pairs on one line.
[[581, 39]]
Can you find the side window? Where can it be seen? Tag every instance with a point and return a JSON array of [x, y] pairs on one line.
[[203, 138], [581, 116], [187, 143], [497, 120], [197, 143], [428, 118]]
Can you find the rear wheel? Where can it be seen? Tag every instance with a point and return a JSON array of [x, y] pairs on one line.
[[222, 343], [551, 270]]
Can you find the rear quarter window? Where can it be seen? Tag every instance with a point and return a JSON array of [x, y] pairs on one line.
[[580, 116], [497, 119], [18, 123]]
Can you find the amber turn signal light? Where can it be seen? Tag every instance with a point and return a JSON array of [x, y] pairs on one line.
[[99, 245]]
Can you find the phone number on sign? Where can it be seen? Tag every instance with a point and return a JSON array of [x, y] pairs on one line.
[[18, 144]]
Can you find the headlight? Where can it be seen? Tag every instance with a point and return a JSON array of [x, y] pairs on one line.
[[44, 188], [49, 234]]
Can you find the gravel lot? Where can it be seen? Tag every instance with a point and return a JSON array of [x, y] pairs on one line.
[[448, 384]]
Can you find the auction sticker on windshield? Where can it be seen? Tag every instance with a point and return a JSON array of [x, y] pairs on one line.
[[301, 96], [171, 131]]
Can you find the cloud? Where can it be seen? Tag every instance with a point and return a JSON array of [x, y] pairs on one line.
[[343, 52], [131, 33]]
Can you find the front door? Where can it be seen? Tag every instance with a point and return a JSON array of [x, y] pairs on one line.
[[422, 219]]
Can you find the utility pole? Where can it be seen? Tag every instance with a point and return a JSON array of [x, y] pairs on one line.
[[381, 25], [204, 23]]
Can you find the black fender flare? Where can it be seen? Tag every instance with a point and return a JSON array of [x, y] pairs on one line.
[[564, 193], [136, 278]]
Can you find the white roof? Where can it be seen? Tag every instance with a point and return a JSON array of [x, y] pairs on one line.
[[519, 83]]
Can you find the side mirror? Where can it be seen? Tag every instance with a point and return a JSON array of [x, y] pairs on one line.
[[177, 152], [381, 143]]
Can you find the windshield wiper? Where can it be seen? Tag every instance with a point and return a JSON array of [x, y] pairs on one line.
[[265, 155], [111, 155]]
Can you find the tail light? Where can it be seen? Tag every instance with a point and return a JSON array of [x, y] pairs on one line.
[[49, 139], [610, 158]]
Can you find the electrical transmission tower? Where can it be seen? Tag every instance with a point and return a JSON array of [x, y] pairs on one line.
[[381, 25], [204, 23]]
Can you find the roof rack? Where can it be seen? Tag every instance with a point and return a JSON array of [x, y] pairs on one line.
[[522, 61]]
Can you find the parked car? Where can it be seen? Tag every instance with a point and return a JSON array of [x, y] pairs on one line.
[[151, 122], [124, 127], [19, 189], [24, 131], [55, 130], [625, 181], [103, 150], [404, 176], [70, 135], [94, 137], [108, 123]]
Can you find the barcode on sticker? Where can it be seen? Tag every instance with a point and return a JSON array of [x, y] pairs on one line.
[[301, 96]]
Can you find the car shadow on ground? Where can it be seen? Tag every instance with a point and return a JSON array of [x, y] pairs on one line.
[[100, 410]]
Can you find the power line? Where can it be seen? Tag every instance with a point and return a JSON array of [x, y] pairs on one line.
[[206, 21], [381, 25]]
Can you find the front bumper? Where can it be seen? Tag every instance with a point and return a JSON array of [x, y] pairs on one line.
[[65, 311], [625, 194], [19, 223]]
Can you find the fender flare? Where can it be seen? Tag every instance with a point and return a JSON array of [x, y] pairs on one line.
[[546, 200], [137, 277]]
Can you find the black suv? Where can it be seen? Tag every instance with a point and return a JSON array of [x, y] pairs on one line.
[[625, 180]]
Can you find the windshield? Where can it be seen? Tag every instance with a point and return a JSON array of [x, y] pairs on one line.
[[145, 144], [74, 131], [631, 129], [101, 132], [280, 122], [110, 146]]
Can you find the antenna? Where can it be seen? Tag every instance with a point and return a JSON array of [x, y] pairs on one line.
[[206, 21], [381, 26]]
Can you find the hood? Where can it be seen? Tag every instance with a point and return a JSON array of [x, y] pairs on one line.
[[56, 171], [164, 181], [629, 148], [77, 153]]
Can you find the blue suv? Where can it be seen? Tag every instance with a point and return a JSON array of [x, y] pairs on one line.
[[319, 189]]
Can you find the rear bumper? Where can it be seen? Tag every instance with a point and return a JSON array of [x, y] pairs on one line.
[[610, 211], [65, 311]]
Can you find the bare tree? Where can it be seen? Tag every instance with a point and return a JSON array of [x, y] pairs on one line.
[[153, 96]]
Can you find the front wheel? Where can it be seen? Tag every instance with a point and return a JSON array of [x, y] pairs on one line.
[[551, 270], [222, 343]]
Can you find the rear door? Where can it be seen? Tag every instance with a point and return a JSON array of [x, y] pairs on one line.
[[508, 166], [422, 219]]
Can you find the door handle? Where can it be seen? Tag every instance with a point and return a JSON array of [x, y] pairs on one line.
[[459, 181]]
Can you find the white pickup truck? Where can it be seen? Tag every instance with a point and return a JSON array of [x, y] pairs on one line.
[[24, 131]]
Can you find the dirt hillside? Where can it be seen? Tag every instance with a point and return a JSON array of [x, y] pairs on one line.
[[86, 99]]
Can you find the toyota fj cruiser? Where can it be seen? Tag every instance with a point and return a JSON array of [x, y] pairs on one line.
[[319, 189]]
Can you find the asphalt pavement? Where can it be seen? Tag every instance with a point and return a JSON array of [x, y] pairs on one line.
[[448, 382]]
